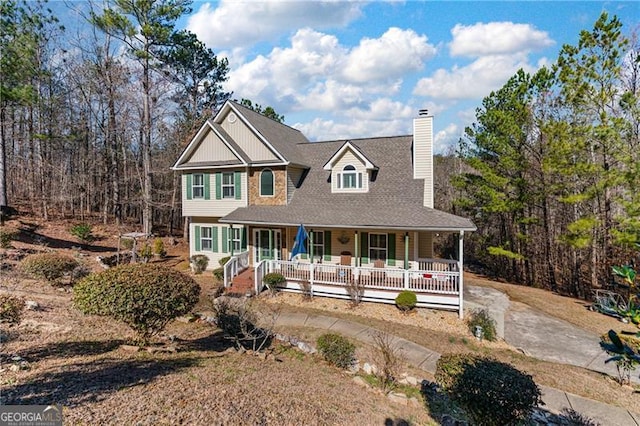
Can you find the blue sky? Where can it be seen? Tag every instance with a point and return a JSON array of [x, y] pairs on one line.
[[339, 69]]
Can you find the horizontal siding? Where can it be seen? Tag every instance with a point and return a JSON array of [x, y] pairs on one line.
[[349, 158], [212, 207], [423, 155], [212, 149], [247, 140], [214, 256], [293, 178], [425, 245]]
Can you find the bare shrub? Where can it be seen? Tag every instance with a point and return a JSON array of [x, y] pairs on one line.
[[239, 322], [305, 288], [11, 308], [355, 290], [389, 359]]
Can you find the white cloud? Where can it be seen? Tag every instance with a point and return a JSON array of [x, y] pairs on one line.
[[321, 129], [473, 81], [240, 24], [317, 72], [447, 138], [392, 55], [497, 38]]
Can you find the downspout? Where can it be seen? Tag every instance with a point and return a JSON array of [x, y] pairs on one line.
[[460, 272]]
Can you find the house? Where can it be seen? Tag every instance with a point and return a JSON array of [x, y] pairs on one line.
[[249, 182]]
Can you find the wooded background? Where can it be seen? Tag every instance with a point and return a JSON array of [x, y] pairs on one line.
[[91, 123]]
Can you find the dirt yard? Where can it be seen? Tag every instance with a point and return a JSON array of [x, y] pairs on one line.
[[58, 355]]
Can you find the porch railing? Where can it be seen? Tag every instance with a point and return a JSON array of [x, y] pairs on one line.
[[234, 266], [393, 279], [440, 265]]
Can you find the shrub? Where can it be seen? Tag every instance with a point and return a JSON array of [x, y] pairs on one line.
[[406, 300], [11, 308], [622, 353], [199, 263], [218, 273], [389, 358], [224, 260], [145, 252], [336, 349], [158, 248], [491, 392], [237, 319], [83, 232], [481, 318], [273, 280], [355, 290], [49, 266], [6, 236], [143, 296]]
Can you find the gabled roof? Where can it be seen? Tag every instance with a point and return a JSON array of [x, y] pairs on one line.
[[348, 145], [394, 199], [280, 138], [181, 163]]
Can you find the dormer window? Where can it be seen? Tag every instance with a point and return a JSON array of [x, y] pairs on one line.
[[350, 178], [266, 183]]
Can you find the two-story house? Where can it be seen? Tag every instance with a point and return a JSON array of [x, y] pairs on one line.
[[249, 182]]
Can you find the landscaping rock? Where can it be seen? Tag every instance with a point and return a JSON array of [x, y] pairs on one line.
[[398, 398], [130, 348], [31, 305], [360, 381], [369, 368], [306, 348]]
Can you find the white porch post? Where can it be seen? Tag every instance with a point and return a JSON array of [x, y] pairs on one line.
[[356, 249], [461, 272]]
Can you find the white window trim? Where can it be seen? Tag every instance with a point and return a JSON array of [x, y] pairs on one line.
[[203, 238], [273, 183], [386, 247], [195, 186], [234, 242], [316, 254], [350, 175], [231, 185]]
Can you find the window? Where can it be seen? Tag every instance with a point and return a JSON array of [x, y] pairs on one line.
[[206, 239], [378, 247], [349, 178], [266, 183], [318, 244], [228, 186], [197, 187], [235, 241]]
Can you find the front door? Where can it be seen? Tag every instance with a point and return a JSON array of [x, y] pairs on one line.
[[267, 244]]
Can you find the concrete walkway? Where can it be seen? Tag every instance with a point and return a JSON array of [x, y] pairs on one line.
[[425, 359]]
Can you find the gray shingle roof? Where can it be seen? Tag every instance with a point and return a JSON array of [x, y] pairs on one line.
[[283, 138], [394, 199]]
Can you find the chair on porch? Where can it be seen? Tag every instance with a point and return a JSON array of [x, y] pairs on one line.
[[379, 276]]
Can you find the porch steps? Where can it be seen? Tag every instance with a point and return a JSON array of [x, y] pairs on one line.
[[242, 284]]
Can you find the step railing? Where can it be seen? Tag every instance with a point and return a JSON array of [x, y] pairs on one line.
[[234, 266]]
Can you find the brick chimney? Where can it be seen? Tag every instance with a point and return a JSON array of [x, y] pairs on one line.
[[423, 153]]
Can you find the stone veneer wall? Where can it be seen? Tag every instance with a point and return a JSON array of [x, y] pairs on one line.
[[280, 194]]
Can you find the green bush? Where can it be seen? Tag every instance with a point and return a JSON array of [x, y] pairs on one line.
[[406, 300], [218, 273], [491, 392], [11, 308], [83, 232], [273, 280], [6, 236], [483, 319], [145, 252], [158, 248], [199, 263], [143, 296], [336, 349], [49, 266], [224, 260]]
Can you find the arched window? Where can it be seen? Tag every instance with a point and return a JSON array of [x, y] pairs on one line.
[[349, 177], [266, 183]]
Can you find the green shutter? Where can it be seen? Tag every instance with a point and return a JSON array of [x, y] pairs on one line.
[[218, 186], [197, 238], [225, 239], [364, 239], [327, 245], [391, 249], [214, 239], [207, 186], [237, 182], [189, 186], [243, 245]]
